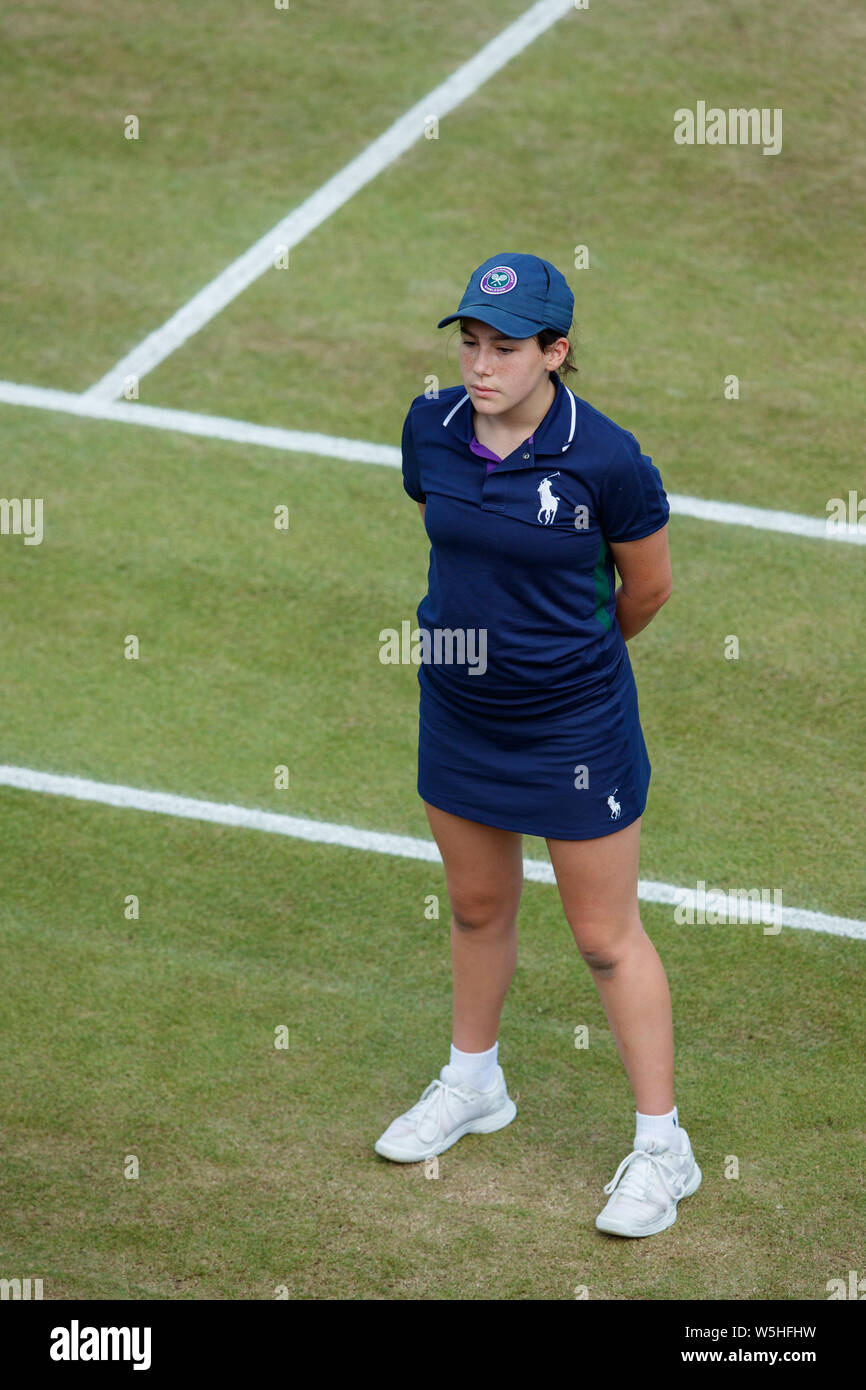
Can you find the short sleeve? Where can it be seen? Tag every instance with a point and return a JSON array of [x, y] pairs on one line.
[[633, 502], [411, 468]]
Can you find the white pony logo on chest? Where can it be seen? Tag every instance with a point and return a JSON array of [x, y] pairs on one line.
[[549, 503]]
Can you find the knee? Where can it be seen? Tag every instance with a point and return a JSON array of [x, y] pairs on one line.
[[472, 912], [601, 948], [602, 961]]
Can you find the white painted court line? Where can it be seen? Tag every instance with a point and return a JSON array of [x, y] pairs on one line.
[[292, 229], [360, 451], [206, 426], [349, 837], [765, 519]]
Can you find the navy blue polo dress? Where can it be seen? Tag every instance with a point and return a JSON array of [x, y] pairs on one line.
[[528, 711]]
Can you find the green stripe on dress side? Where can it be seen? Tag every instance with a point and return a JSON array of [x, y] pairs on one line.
[[602, 587]]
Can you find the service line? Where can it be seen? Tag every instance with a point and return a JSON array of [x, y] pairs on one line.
[[346, 836], [362, 451]]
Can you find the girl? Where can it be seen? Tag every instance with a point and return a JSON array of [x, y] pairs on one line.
[[529, 718]]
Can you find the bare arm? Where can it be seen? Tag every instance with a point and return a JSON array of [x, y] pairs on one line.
[[421, 506], [645, 569]]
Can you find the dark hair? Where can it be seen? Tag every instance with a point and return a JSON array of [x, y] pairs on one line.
[[544, 340]]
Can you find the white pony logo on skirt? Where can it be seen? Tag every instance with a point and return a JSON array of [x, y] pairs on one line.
[[614, 805]]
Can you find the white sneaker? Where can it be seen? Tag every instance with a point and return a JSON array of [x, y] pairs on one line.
[[656, 1178], [448, 1109]]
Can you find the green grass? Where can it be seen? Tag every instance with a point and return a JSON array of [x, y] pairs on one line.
[[259, 648], [155, 1038]]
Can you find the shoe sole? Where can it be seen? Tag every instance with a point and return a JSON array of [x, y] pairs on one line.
[[482, 1124], [619, 1228]]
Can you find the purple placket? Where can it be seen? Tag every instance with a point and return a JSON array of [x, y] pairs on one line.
[[483, 452]]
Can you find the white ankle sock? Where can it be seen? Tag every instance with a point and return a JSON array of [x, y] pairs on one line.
[[478, 1069], [663, 1127]]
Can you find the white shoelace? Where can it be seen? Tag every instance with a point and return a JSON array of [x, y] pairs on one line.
[[431, 1105], [636, 1182]]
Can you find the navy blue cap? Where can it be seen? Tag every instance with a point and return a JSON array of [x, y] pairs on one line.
[[518, 295]]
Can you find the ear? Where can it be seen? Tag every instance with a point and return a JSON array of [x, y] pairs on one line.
[[556, 354]]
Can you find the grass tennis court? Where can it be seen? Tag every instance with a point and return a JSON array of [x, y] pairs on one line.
[[155, 1037]]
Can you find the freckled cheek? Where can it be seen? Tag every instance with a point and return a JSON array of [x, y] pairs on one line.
[[516, 374]]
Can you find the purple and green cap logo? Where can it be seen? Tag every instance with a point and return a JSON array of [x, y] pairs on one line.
[[499, 280]]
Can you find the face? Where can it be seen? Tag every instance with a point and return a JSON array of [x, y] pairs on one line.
[[499, 372]]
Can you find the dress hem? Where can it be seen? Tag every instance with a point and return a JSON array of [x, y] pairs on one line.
[[621, 824]]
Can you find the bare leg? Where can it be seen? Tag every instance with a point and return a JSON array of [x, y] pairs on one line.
[[484, 872], [597, 882]]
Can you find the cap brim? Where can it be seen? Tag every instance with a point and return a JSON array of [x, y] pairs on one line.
[[511, 324]]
